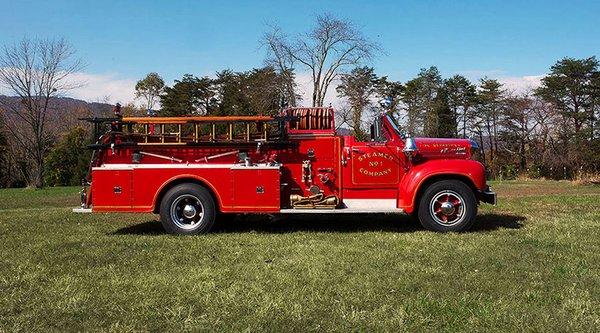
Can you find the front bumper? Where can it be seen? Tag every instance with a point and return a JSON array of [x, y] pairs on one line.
[[487, 196]]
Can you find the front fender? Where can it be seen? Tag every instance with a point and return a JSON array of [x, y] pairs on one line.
[[417, 175]]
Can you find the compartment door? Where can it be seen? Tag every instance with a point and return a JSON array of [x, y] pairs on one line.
[[111, 190], [256, 189]]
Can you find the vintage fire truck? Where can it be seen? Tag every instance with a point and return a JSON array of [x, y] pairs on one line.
[[191, 170]]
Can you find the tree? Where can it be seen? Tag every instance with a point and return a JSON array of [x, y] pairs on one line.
[[69, 160], [420, 100], [5, 164], [358, 87], [461, 95], [37, 71], [278, 59], [445, 118], [390, 94], [260, 91], [188, 96], [267, 90], [490, 98], [573, 87], [518, 123], [330, 47], [232, 92], [149, 89]]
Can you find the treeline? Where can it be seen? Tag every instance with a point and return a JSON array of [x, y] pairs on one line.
[[258, 91], [551, 131]]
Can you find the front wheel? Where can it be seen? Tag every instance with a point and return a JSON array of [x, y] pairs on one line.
[[187, 209], [447, 205]]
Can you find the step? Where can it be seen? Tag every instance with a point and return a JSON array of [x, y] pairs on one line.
[[354, 206], [82, 210]]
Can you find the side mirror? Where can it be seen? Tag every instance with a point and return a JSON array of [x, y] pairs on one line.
[[376, 130]]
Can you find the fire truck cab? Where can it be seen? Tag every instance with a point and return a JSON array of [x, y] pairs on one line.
[[190, 169]]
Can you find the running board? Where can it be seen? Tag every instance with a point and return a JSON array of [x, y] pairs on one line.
[[353, 206], [341, 211]]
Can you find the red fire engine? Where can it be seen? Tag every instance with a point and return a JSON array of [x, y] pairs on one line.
[[191, 169]]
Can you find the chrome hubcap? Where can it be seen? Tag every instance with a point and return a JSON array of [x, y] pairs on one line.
[[187, 211], [447, 208]]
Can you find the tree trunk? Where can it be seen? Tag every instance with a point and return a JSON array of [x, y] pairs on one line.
[[35, 177], [481, 144], [315, 98]]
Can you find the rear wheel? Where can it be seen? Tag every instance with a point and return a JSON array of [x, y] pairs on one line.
[[447, 205], [187, 209]]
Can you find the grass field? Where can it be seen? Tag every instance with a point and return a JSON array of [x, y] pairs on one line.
[[532, 263]]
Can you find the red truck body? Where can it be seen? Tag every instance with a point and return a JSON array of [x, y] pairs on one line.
[[306, 168]]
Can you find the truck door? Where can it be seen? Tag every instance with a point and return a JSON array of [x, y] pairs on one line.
[[373, 164]]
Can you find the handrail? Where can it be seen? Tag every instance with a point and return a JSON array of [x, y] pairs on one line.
[[186, 120]]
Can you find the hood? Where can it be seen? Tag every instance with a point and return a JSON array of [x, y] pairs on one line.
[[438, 148]]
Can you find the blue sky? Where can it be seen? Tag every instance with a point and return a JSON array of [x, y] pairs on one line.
[[120, 41]]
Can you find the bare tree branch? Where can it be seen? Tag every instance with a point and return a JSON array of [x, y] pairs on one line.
[[36, 71], [330, 47]]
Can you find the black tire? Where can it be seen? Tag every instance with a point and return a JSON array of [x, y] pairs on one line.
[[187, 209], [447, 205]]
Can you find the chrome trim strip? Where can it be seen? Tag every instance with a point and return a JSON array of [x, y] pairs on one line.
[[183, 166]]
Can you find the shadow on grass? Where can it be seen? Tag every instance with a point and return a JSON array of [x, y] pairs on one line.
[[489, 222], [326, 223]]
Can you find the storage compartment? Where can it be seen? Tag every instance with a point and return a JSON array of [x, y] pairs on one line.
[[111, 189], [256, 187]]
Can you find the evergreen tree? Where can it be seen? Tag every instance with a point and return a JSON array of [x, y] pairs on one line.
[[445, 116], [490, 99], [420, 100], [573, 88], [188, 96], [462, 95], [390, 94]]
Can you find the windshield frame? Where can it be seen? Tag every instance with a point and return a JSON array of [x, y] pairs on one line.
[[395, 127]]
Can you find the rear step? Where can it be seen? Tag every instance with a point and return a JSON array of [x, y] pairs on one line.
[[82, 210]]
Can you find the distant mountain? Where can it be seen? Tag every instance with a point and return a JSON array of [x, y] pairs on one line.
[[62, 106]]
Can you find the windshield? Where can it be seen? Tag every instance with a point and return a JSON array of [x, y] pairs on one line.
[[392, 122]]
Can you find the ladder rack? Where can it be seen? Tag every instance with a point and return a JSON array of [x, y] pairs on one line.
[[207, 130], [214, 130]]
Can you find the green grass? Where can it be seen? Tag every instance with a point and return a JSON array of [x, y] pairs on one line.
[[532, 263]]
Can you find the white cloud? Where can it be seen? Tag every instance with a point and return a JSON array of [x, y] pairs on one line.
[[515, 84], [108, 88], [521, 84]]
